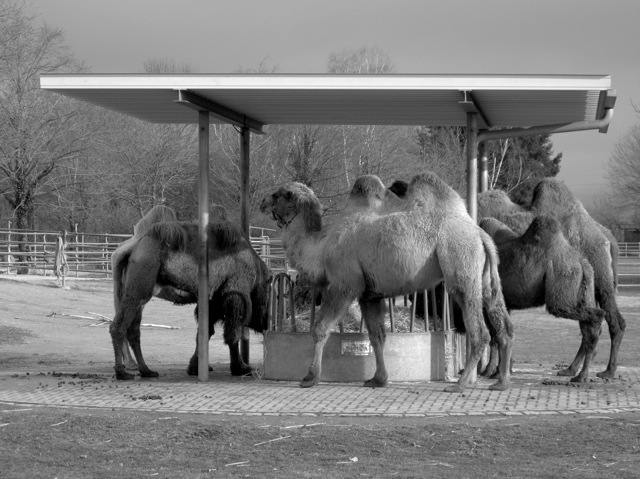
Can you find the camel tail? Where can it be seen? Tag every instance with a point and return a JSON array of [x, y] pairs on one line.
[[119, 261], [491, 267], [615, 254]]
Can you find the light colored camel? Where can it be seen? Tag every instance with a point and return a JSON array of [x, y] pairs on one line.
[[378, 249], [552, 198], [539, 268]]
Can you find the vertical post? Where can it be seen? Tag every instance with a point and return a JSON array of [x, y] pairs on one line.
[[472, 188], [203, 257], [484, 168], [245, 144], [472, 165]]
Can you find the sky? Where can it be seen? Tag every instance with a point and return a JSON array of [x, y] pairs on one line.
[[419, 36]]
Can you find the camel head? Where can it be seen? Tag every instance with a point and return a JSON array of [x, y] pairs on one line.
[[293, 200]]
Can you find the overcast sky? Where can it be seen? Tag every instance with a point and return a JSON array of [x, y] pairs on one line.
[[420, 36]]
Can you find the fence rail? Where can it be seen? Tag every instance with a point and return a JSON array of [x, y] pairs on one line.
[[629, 250], [89, 255]]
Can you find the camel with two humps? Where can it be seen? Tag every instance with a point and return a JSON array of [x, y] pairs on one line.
[[553, 198], [539, 268], [164, 263], [156, 214], [376, 249]]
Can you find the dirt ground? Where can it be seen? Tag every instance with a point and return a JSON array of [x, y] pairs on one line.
[[42, 324], [47, 328]]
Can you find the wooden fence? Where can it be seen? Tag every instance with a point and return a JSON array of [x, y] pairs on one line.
[[88, 255]]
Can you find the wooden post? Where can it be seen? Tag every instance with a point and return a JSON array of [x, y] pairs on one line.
[[245, 148], [203, 257]]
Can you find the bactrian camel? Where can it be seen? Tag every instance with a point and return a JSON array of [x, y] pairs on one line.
[[382, 247], [539, 268], [553, 198], [164, 263]]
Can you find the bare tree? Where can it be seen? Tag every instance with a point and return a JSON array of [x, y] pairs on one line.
[[623, 169], [38, 130]]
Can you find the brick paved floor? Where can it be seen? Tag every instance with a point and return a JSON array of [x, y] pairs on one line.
[[533, 391]]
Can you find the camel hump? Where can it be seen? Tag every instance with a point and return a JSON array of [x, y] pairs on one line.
[[428, 187], [172, 233], [368, 186], [224, 234], [217, 211], [554, 196], [543, 229], [495, 228], [157, 214]]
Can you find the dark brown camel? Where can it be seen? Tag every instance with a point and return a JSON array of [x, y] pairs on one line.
[[539, 268], [552, 198], [164, 263]]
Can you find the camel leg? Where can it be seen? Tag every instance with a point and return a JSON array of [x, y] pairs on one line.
[[129, 362], [373, 312], [236, 309], [502, 335], [577, 361], [617, 325], [478, 339], [333, 306], [590, 328], [117, 329], [133, 336]]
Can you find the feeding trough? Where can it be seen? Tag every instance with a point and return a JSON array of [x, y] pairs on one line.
[[434, 354]]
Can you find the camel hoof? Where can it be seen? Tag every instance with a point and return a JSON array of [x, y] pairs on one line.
[[241, 371], [309, 381], [490, 373], [454, 388], [149, 374], [374, 383], [607, 374], [566, 372], [124, 376], [578, 379], [499, 386]]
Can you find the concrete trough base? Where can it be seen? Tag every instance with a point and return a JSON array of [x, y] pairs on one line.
[[348, 357]]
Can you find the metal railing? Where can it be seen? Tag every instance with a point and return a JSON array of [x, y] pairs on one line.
[[89, 255], [54, 252], [629, 250]]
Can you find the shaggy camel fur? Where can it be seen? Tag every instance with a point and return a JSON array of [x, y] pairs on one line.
[[157, 214], [542, 268], [552, 198], [164, 263], [377, 249]]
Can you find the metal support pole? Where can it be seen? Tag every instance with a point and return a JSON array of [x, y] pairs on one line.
[[245, 144], [472, 165], [472, 188], [203, 263], [484, 167]]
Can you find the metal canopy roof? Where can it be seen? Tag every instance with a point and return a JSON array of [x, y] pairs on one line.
[[254, 100]]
